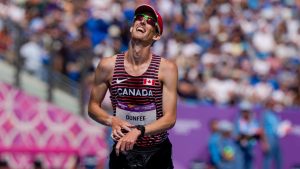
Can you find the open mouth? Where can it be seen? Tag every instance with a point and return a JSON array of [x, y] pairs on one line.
[[141, 29]]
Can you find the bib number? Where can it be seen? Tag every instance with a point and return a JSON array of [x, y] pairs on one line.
[[136, 115]]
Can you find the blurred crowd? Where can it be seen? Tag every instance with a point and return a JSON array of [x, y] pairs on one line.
[[226, 51]]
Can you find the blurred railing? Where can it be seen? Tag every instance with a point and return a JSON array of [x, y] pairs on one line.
[[62, 82], [64, 92], [55, 87]]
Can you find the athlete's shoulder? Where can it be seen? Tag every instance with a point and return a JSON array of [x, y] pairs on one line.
[[167, 65], [167, 69], [107, 63], [105, 69]]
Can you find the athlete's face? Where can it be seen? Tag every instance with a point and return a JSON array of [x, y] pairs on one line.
[[144, 27]]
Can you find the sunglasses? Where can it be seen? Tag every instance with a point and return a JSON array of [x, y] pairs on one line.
[[149, 20]]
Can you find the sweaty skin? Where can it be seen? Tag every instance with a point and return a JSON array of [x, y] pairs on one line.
[[137, 59]]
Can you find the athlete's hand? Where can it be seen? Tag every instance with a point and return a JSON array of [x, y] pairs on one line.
[[127, 142], [119, 128]]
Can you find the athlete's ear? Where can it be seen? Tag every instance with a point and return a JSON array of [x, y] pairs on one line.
[[131, 28], [156, 37]]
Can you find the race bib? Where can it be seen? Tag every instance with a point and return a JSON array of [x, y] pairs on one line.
[[136, 115]]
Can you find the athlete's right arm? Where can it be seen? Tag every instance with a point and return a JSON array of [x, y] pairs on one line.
[[103, 77]]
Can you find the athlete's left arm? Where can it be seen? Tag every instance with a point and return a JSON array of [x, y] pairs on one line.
[[168, 74]]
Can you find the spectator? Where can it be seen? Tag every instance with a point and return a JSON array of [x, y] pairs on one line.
[[227, 151], [213, 141], [271, 125], [265, 35], [5, 41], [247, 133], [186, 88], [33, 55]]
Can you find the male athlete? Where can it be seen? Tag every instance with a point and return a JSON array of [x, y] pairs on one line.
[[143, 95]]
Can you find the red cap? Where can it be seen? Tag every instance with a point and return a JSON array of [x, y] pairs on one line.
[[147, 8]]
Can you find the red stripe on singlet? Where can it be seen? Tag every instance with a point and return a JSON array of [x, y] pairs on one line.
[[137, 83]]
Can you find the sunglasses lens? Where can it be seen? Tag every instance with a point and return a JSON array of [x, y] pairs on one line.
[[139, 17], [151, 22]]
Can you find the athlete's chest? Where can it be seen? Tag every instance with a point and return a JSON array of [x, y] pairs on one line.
[[144, 86], [137, 66], [136, 70]]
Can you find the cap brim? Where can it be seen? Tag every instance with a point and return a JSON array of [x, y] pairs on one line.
[[145, 9]]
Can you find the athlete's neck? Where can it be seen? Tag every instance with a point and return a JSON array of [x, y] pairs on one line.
[[138, 52]]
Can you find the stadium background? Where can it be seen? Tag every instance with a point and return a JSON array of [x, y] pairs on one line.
[[226, 51]]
